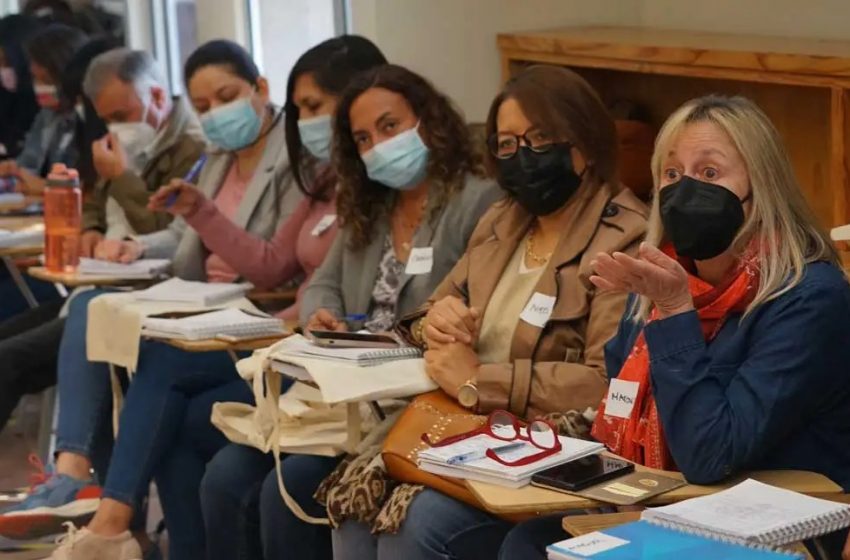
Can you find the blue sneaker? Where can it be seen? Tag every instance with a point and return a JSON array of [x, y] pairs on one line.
[[56, 500]]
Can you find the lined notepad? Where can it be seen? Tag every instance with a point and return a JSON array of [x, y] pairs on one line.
[[228, 322], [142, 269], [756, 513], [199, 293]]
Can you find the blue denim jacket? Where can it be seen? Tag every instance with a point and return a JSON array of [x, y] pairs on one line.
[[771, 391], [50, 140]]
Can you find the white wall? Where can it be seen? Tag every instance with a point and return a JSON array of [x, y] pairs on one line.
[[820, 19], [453, 42]]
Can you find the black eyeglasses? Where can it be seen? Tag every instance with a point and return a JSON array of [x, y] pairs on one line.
[[506, 146]]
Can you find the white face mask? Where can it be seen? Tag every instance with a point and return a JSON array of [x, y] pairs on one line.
[[135, 138]]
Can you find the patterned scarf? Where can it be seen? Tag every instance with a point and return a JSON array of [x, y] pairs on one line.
[[640, 438]]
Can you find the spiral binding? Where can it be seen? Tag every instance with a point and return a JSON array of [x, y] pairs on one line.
[[378, 357], [810, 527], [721, 537]]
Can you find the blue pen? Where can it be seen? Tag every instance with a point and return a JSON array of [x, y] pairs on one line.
[[356, 317], [481, 453], [192, 175]]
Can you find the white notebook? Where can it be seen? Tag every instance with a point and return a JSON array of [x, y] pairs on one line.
[[225, 322], [754, 513], [303, 347], [142, 269], [199, 293], [31, 236], [436, 460]]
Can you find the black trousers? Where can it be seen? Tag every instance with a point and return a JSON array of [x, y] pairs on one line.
[[29, 345]]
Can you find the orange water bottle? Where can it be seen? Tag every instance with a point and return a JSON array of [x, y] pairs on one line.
[[62, 219]]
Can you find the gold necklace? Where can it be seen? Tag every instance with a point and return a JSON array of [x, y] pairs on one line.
[[409, 226], [529, 249]]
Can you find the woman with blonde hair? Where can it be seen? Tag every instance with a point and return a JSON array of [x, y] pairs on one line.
[[736, 345]]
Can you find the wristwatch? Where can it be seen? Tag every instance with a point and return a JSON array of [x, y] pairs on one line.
[[467, 394]]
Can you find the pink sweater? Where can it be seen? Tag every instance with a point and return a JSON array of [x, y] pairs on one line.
[[297, 247]]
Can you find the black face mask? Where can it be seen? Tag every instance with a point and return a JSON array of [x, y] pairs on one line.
[[541, 182], [701, 219]]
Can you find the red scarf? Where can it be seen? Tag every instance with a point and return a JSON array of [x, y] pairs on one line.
[[640, 438]]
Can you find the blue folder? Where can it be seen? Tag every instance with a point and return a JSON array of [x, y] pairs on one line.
[[647, 541]]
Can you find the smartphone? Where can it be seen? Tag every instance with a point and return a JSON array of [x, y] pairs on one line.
[[333, 339], [582, 473]]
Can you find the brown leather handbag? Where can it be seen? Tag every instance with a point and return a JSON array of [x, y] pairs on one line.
[[439, 416]]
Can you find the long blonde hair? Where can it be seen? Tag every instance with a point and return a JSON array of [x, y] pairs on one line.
[[781, 219]]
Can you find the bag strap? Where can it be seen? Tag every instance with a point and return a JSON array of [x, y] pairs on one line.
[[273, 383]]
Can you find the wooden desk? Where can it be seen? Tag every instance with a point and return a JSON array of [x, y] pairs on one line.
[[578, 525], [532, 500], [73, 280], [802, 85]]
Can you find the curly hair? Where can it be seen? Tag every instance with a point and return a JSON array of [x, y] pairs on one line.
[[362, 202]]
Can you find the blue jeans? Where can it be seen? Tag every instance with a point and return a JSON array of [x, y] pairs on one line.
[[159, 402], [245, 516], [437, 527]]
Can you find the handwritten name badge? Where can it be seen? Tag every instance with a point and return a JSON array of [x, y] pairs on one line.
[[590, 544], [621, 398], [323, 225], [420, 261], [538, 309]]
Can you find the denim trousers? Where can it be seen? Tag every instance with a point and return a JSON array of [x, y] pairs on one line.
[[244, 513], [436, 527], [164, 431]]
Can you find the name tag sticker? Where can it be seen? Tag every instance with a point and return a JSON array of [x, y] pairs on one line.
[[538, 309], [621, 398], [590, 544], [323, 225], [420, 261]]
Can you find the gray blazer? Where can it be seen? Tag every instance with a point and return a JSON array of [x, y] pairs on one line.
[[262, 210], [344, 282]]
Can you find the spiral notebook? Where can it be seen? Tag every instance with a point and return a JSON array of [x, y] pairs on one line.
[[364, 357], [200, 293], [232, 322], [754, 513], [642, 539]]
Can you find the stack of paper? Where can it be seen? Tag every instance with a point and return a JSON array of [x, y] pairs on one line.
[[28, 237], [142, 269], [199, 293], [225, 322], [445, 460]]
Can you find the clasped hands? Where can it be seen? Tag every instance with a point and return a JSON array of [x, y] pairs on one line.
[[451, 330], [652, 274]]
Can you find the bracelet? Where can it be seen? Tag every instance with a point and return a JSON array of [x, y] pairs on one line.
[[419, 332]]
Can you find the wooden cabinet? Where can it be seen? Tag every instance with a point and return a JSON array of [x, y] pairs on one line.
[[802, 85]]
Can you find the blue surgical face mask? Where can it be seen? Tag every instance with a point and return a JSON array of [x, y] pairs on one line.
[[316, 136], [400, 162], [232, 126]]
